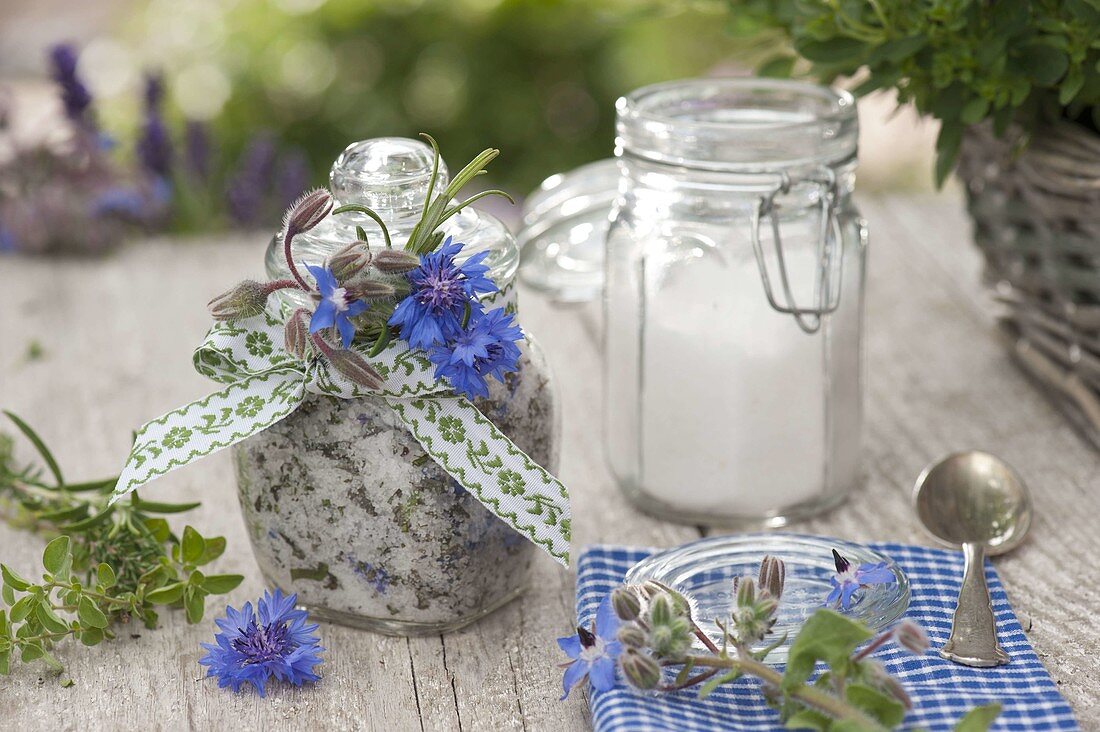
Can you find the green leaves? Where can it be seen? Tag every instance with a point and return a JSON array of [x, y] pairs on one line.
[[91, 615], [56, 558], [110, 562], [979, 719], [13, 580], [827, 636], [192, 546], [1011, 61]]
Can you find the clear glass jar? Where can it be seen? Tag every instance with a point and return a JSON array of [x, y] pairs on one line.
[[733, 301], [341, 502]]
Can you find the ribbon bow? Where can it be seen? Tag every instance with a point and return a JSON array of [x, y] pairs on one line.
[[265, 383]]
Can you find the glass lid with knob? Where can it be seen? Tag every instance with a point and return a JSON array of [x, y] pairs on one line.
[[391, 175]]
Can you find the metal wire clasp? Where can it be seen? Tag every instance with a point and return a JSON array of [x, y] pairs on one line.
[[830, 261]]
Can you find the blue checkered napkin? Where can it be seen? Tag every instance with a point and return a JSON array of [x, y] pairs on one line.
[[942, 691]]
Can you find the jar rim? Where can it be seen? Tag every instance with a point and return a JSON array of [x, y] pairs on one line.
[[737, 123]]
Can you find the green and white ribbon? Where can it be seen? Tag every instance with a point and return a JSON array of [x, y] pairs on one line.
[[265, 383]]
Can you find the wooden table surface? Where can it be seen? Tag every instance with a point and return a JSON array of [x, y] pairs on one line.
[[117, 336]]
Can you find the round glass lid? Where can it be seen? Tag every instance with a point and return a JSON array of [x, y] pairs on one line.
[[565, 222], [704, 571]]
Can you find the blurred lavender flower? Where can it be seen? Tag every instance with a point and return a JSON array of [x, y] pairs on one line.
[[197, 149], [292, 178], [74, 95], [249, 185], [7, 240], [122, 201], [154, 146]]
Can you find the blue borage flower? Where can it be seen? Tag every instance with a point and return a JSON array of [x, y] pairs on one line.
[[486, 347], [593, 651], [336, 307], [850, 577], [253, 649], [442, 291]]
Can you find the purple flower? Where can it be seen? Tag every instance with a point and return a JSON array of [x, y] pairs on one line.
[[292, 177], [74, 95], [252, 181], [486, 347], [593, 651], [154, 145], [442, 290], [850, 577], [253, 649], [336, 307]]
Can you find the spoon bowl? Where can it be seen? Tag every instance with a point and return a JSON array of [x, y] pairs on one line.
[[974, 497], [976, 501]]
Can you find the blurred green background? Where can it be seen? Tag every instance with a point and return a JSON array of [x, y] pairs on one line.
[[536, 78]]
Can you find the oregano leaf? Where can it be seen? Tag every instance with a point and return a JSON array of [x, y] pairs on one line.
[[90, 614], [55, 555]]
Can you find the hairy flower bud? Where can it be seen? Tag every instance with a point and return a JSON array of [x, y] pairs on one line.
[[746, 592], [364, 289], [660, 611], [627, 604], [307, 211], [349, 261], [631, 636], [640, 669], [395, 261], [355, 368], [671, 640], [246, 300], [911, 637], [772, 575], [296, 333], [679, 603]]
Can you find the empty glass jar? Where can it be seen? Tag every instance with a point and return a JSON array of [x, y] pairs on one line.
[[733, 299]]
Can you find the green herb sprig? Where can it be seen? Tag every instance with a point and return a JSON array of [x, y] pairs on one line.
[[105, 564], [1011, 61]]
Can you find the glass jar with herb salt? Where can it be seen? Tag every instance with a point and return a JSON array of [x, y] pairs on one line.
[[342, 504]]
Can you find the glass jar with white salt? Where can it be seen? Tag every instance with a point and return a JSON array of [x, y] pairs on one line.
[[733, 301]]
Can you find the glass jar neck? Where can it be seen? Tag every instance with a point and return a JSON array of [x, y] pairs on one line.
[[742, 127]]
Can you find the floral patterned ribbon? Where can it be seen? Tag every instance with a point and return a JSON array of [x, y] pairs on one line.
[[265, 383]]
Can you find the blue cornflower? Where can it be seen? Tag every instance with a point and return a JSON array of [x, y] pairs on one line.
[[486, 347], [441, 291], [850, 577], [336, 307], [253, 649], [593, 651]]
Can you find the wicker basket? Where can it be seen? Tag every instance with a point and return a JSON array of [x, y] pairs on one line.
[[1036, 211]]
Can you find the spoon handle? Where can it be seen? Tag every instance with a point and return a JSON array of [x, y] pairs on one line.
[[973, 640]]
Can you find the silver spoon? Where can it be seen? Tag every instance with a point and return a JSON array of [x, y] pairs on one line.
[[978, 501]]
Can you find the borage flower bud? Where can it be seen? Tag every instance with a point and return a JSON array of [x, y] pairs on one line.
[[355, 368], [640, 669], [627, 604], [307, 211], [660, 611], [246, 300], [296, 334], [746, 592], [772, 575], [364, 289], [350, 261], [631, 636], [911, 637], [395, 261]]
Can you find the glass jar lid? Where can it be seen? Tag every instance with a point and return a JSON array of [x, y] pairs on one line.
[[565, 222], [391, 175]]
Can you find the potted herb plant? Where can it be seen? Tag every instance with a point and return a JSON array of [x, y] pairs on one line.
[[1015, 85]]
